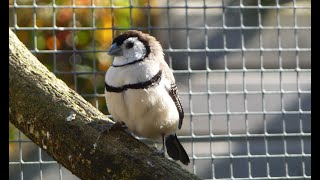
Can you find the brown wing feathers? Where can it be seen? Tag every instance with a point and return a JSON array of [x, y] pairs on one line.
[[173, 92]]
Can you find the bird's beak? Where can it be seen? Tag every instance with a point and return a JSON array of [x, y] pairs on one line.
[[115, 50]]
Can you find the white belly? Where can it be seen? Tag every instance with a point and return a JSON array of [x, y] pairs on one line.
[[147, 112]]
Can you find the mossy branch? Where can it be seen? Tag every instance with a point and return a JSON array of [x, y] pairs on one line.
[[66, 126]]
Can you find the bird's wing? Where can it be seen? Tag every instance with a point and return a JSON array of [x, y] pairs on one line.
[[173, 92]]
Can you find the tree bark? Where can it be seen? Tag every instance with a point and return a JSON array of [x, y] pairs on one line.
[[66, 126]]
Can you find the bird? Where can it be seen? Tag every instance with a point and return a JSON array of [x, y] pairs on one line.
[[141, 92]]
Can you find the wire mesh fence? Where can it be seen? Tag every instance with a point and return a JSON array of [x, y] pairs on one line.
[[242, 68]]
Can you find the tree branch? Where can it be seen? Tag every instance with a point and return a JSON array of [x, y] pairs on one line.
[[66, 126]]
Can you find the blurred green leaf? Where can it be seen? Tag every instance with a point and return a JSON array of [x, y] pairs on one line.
[[13, 132], [41, 42], [82, 37], [122, 18], [83, 68]]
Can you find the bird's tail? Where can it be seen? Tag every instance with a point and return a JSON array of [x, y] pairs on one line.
[[175, 150]]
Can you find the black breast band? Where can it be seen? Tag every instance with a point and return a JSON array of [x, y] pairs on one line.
[[141, 85], [133, 62]]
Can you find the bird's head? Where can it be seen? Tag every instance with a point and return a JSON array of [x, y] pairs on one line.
[[132, 46]]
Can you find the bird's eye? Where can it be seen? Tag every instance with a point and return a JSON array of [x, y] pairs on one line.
[[129, 45]]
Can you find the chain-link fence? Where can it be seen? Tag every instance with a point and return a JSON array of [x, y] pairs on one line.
[[242, 68]]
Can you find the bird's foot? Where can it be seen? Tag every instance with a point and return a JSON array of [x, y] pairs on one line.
[[160, 153], [116, 126], [107, 129]]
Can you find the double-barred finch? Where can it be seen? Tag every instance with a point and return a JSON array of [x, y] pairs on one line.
[[141, 91]]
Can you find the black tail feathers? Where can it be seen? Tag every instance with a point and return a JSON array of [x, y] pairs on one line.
[[175, 150]]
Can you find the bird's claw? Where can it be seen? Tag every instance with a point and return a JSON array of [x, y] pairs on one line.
[[160, 153], [115, 126]]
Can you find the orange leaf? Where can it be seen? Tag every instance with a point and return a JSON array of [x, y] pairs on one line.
[[50, 43]]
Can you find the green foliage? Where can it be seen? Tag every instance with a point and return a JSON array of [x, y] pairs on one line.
[[13, 132]]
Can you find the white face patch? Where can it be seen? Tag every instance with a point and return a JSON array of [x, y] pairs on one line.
[[133, 53], [132, 49]]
